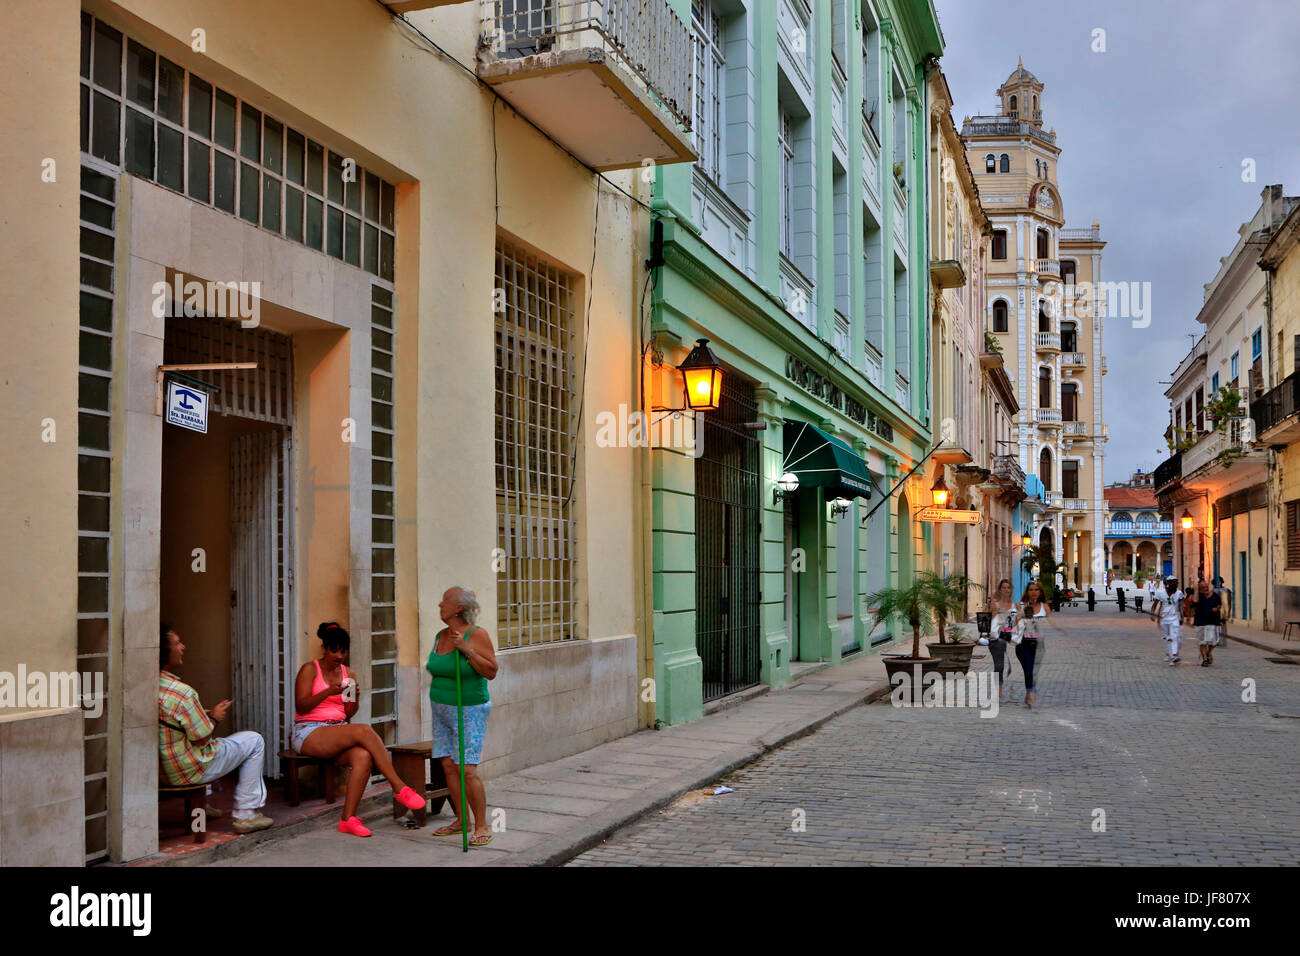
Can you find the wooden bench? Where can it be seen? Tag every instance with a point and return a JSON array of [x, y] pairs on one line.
[[189, 793], [409, 761], [291, 762]]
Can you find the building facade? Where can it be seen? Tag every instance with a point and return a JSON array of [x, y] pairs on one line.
[[1137, 538], [1215, 486], [796, 247], [1044, 310], [434, 306]]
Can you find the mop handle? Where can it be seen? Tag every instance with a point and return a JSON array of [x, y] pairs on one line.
[[460, 733]]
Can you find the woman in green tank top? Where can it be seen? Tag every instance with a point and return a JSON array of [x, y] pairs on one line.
[[463, 644]]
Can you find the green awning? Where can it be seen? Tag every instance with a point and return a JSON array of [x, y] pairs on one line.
[[824, 461]]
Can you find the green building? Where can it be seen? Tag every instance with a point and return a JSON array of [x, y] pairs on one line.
[[796, 245]]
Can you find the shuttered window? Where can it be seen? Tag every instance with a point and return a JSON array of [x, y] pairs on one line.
[[1293, 534]]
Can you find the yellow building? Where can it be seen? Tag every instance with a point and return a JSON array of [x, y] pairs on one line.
[[1043, 304], [441, 299], [1276, 415]]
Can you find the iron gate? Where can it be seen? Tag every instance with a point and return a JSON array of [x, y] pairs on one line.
[[727, 545]]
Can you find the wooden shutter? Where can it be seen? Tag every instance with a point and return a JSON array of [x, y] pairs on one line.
[[1293, 534]]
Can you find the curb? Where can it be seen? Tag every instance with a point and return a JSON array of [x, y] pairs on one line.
[[1264, 647], [560, 849]]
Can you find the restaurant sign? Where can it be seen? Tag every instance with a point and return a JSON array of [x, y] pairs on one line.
[[819, 386]]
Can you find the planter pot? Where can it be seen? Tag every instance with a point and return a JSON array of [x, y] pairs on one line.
[[953, 658], [906, 665]]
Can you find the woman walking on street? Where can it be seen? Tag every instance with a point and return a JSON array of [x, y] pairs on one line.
[[1003, 607], [1030, 649]]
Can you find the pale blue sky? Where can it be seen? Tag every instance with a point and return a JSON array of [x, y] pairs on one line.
[[1153, 134]]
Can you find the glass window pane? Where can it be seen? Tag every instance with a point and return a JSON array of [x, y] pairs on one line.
[[171, 88], [353, 190], [272, 145], [381, 473], [96, 274], [85, 117], [106, 141], [95, 351], [389, 198], [96, 244], [200, 159], [352, 240], [139, 144], [294, 156], [92, 432], [372, 197], [97, 184], [334, 177], [381, 503], [249, 194], [381, 415], [139, 74], [92, 210], [92, 595], [381, 317], [200, 106], [381, 296], [386, 256], [92, 554], [381, 386], [383, 619], [315, 167], [223, 181], [382, 361], [293, 213], [271, 203], [223, 125], [92, 471], [334, 232], [250, 133], [383, 445], [381, 530], [108, 58], [371, 264], [92, 392], [171, 158], [96, 312], [85, 45], [315, 223]]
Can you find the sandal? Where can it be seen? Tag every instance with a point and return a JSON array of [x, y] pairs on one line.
[[480, 839], [451, 829]]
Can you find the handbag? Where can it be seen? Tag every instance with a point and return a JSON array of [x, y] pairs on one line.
[[1018, 632]]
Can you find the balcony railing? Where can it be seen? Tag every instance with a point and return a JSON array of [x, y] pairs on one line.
[[1052, 499], [1213, 444], [1050, 267], [1083, 234], [1076, 359], [1277, 404], [1168, 471], [1050, 417], [1140, 529], [1048, 341], [1007, 470], [1004, 126], [902, 393], [558, 61], [1075, 428], [1074, 504]]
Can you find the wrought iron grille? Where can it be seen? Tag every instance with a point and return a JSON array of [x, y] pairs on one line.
[[728, 536]]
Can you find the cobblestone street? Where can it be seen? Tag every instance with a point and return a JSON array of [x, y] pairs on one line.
[[1184, 770]]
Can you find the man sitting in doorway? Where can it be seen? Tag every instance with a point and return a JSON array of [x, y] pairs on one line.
[[189, 750]]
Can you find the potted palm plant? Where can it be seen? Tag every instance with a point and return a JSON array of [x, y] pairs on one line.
[[1042, 556], [948, 597], [915, 604]]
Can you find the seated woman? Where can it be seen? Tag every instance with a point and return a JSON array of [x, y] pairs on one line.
[[325, 694]]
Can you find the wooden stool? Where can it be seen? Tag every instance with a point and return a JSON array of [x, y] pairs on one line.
[[409, 761], [290, 762], [189, 793], [1286, 631]]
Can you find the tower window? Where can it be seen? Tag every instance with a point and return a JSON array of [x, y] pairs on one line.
[[1000, 316], [1013, 106], [990, 163], [1006, 163], [999, 244]]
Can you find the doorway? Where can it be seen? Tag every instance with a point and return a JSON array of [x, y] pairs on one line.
[[227, 529]]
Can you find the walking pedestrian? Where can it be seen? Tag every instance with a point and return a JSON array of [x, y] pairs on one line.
[[1206, 610], [1092, 599], [1119, 591], [1225, 596], [1034, 610], [1003, 607], [1167, 614]]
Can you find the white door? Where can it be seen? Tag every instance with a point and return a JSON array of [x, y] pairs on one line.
[[261, 582]]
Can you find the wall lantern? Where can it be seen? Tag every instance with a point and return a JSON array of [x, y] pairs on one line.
[[1026, 539], [702, 378], [1187, 520], [940, 492], [840, 506], [787, 486]]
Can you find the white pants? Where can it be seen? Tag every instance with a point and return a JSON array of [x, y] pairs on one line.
[[1171, 630], [242, 750]]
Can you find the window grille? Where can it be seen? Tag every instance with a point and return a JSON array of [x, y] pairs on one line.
[[535, 450], [383, 555], [157, 120]]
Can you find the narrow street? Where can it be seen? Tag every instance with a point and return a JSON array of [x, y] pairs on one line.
[[1184, 770]]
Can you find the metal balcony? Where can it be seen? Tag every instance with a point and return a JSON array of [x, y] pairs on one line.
[[1048, 341], [1275, 412], [609, 80], [1168, 471]]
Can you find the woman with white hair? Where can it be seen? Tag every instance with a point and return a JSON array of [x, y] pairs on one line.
[[463, 644]]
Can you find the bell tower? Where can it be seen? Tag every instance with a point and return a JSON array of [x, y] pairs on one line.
[[1021, 96]]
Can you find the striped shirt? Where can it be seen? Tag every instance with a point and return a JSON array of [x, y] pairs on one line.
[[181, 721]]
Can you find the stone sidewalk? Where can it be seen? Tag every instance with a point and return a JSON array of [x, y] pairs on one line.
[[552, 812]]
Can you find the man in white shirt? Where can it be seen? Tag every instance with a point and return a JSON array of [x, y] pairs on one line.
[[1167, 611]]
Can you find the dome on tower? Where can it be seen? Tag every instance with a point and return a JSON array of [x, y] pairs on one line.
[[1020, 75]]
